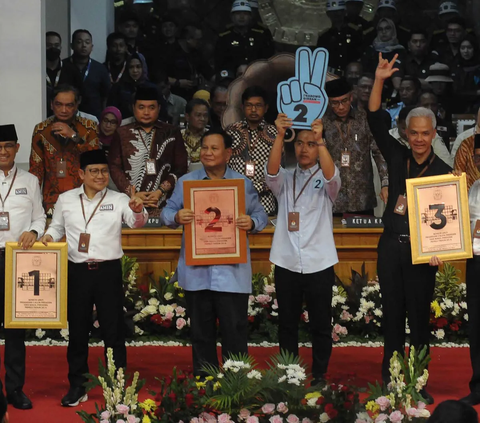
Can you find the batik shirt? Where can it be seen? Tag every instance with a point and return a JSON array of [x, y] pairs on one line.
[[357, 192], [48, 149], [254, 145]]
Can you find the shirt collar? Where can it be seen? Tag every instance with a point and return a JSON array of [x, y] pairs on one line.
[[309, 171], [352, 114], [260, 126], [10, 173], [97, 195], [228, 173], [157, 124], [425, 162]]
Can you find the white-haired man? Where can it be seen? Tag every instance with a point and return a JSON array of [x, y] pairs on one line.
[[405, 288]]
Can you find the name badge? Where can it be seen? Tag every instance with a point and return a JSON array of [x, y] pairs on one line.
[[250, 169], [401, 206], [106, 207], [61, 169], [151, 167], [4, 221], [476, 231], [21, 191], [345, 159], [293, 221], [83, 243]]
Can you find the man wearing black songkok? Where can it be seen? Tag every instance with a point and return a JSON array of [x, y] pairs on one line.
[[351, 146]]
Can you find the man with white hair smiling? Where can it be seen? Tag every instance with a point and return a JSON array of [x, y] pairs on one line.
[[405, 288]]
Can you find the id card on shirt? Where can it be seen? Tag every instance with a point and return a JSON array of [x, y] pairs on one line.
[[401, 206], [83, 243], [4, 221], [293, 221], [250, 168], [151, 167], [61, 168], [345, 159]]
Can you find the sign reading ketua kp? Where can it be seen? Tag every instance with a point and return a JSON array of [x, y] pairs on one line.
[[303, 97]]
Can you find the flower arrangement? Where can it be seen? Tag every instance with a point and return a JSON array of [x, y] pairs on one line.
[[121, 401], [401, 399]]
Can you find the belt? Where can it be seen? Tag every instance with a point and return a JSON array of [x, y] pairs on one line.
[[401, 238], [94, 265]]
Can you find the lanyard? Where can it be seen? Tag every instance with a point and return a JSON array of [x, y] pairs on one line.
[[57, 78], [119, 75], [96, 208], [344, 138], [304, 185], [88, 68], [9, 189], [145, 144], [424, 169]]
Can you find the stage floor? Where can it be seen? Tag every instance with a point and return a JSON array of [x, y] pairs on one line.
[[47, 382]]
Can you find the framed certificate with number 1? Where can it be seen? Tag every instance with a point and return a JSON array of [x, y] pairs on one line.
[[36, 286], [213, 237]]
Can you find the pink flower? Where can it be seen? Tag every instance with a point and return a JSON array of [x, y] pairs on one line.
[[341, 330], [263, 299], [104, 421], [411, 412], [133, 419], [381, 418], [345, 315], [224, 418], [306, 420], [275, 419], [105, 415], [275, 304], [180, 311], [252, 419], [360, 421], [383, 402], [282, 407], [269, 289], [181, 323], [268, 408], [305, 316], [292, 418], [335, 337], [251, 299], [207, 417], [169, 315], [243, 414], [123, 409], [194, 420], [120, 421], [396, 417], [421, 405], [368, 318]]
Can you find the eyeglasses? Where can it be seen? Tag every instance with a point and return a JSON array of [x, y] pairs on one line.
[[7, 147], [257, 106], [338, 103], [110, 121], [95, 172]]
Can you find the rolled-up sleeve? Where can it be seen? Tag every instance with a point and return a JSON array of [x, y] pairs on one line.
[[132, 219], [275, 182], [332, 185]]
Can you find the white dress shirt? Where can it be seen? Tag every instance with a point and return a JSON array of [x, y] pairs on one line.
[[24, 205], [474, 206], [312, 248], [105, 228]]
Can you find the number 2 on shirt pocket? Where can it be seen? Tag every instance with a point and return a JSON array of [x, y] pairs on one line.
[[318, 183]]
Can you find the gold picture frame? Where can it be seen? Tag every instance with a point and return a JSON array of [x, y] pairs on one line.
[[36, 286], [439, 218], [215, 239]]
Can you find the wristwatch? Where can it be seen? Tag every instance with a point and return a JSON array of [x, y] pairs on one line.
[[34, 231]]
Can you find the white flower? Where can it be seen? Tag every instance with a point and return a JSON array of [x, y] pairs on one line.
[[153, 291], [168, 296], [254, 374], [324, 417], [312, 402], [150, 309], [138, 330], [64, 334], [378, 312], [439, 334], [465, 316], [220, 375], [137, 317], [463, 305], [39, 333], [153, 301], [282, 379], [274, 313]]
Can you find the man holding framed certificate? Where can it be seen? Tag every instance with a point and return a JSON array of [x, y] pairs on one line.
[[209, 203], [405, 288], [22, 219]]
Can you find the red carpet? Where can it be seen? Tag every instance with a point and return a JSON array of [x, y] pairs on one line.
[[47, 374]]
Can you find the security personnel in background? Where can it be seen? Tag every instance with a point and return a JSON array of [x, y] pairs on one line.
[[343, 41], [354, 10], [446, 11], [243, 43], [388, 9], [22, 219], [91, 217]]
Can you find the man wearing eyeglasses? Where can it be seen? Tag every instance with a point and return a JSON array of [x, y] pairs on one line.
[[252, 141], [57, 143], [351, 145], [22, 219], [91, 218]]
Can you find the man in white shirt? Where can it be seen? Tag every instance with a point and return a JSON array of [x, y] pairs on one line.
[[23, 219], [91, 218], [303, 248], [473, 288]]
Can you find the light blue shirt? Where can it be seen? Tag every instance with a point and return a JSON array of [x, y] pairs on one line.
[[394, 111], [224, 278], [311, 248]]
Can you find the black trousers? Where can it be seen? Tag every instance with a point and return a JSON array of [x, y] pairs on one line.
[[405, 288], [14, 359], [316, 289], [473, 303], [102, 287], [204, 308]]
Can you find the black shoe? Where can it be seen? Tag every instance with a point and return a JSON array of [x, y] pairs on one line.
[[471, 399], [427, 397], [19, 400], [74, 397]]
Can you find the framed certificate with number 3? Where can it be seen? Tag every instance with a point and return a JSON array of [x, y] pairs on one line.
[[213, 237]]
